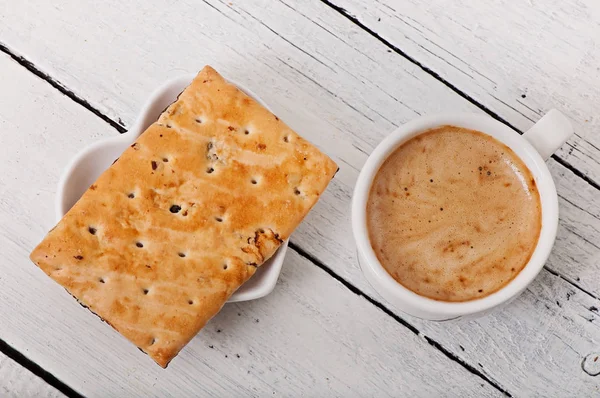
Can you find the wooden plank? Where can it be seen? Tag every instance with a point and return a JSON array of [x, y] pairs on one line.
[[536, 345], [519, 59], [16, 381], [311, 335], [352, 92]]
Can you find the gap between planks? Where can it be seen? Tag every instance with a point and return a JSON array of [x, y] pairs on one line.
[[451, 86], [37, 370], [119, 126], [397, 318], [60, 87]]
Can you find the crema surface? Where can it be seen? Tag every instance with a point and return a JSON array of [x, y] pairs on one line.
[[453, 214]]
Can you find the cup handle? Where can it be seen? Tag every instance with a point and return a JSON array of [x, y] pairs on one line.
[[549, 133]]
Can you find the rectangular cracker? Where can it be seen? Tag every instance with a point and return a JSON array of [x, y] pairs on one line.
[[206, 194]]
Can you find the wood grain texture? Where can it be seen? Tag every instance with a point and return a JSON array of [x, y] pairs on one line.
[[16, 381], [519, 59], [341, 88], [311, 335]]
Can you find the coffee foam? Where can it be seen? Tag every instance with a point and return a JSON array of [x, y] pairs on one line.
[[453, 214]]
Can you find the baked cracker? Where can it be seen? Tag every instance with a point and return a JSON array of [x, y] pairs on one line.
[[184, 217]]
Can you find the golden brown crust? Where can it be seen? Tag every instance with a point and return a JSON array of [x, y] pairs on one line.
[[162, 239]]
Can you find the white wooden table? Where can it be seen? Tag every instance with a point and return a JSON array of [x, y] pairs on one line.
[[343, 73]]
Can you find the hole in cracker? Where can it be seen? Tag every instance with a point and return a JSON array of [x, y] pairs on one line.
[[219, 219], [286, 139], [139, 244], [181, 254], [253, 181], [246, 131], [152, 341], [131, 195], [145, 291], [190, 302], [210, 170], [185, 213], [198, 120], [166, 160], [92, 230], [262, 231], [296, 191], [224, 266], [154, 165], [168, 126], [101, 280], [175, 209]]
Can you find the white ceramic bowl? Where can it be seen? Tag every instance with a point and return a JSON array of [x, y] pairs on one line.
[[87, 166], [534, 147]]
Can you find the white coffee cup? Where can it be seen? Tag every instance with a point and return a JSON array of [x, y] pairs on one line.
[[533, 147]]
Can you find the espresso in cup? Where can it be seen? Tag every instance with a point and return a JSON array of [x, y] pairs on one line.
[[453, 214]]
